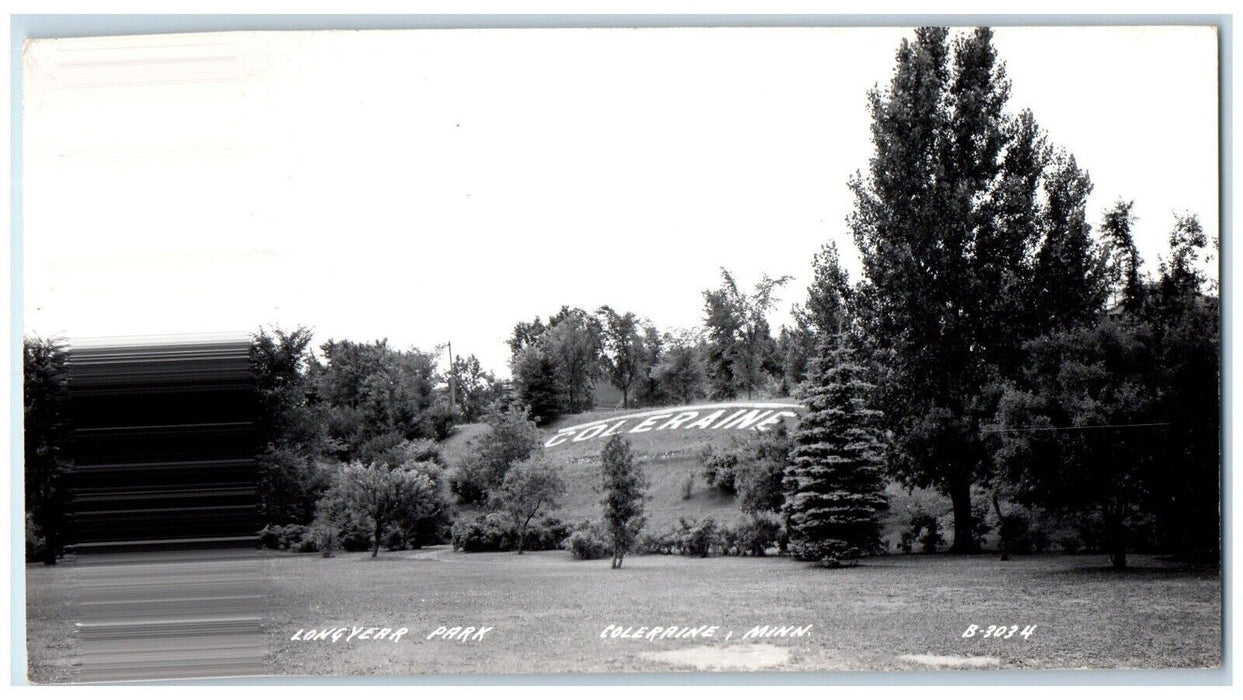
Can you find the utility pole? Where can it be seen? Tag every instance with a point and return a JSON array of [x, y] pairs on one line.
[[452, 379]]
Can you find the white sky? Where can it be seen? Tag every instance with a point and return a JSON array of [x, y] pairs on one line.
[[440, 185]]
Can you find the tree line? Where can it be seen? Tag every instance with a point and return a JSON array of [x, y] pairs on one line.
[[557, 365], [1013, 348]]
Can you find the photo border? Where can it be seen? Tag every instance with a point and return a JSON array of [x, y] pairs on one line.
[[35, 26]]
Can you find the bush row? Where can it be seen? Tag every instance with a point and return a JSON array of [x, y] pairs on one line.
[[701, 538], [495, 532]]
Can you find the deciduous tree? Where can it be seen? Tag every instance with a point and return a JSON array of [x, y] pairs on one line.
[[511, 438], [47, 430], [973, 240], [739, 335], [622, 350], [530, 487], [625, 490], [384, 494]]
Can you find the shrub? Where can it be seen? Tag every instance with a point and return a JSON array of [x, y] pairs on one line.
[[656, 544], [697, 538], [1070, 544], [548, 533], [760, 472], [34, 542], [292, 538], [439, 420], [753, 537], [495, 532], [467, 483], [1021, 535], [325, 537], [485, 533], [924, 529], [289, 484], [727, 541], [587, 541], [337, 526], [718, 468], [830, 553], [980, 525]]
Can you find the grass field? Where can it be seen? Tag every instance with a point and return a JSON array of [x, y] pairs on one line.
[[548, 610]]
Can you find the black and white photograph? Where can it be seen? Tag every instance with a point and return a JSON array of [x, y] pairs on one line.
[[738, 350]]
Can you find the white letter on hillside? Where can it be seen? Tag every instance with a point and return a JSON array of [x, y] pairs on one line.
[[590, 432], [774, 419], [647, 424], [706, 421], [678, 420], [744, 421]]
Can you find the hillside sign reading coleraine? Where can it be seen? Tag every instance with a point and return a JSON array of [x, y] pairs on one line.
[[729, 416]]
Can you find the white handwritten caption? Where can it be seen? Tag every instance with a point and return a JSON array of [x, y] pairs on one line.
[[652, 634], [349, 634], [333, 635], [998, 631]]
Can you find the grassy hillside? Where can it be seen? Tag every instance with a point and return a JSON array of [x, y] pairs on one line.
[[667, 457]]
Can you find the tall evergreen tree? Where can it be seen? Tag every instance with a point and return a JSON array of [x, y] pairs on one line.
[[834, 484]]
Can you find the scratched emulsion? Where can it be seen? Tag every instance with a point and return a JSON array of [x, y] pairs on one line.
[[163, 523]]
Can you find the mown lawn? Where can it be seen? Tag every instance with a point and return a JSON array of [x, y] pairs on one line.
[[548, 611]]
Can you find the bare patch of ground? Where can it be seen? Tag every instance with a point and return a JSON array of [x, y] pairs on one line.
[[735, 657], [934, 661]]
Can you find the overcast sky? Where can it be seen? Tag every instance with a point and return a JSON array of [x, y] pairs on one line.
[[441, 185]]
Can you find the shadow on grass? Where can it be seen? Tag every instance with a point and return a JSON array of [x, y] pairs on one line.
[[1150, 567]]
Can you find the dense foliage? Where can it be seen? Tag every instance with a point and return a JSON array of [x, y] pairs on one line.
[[47, 426], [511, 438], [834, 483]]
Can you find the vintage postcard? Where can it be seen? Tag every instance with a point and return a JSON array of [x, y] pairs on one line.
[[621, 350]]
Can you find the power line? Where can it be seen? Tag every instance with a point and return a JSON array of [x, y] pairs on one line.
[[1075, 427]]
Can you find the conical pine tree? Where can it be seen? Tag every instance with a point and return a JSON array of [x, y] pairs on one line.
[[834, 485]]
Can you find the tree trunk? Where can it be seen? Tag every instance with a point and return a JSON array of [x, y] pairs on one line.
[[964, 525], [1001, 536], [1115, 533], [522, 531], [376, 549], [50, 544]]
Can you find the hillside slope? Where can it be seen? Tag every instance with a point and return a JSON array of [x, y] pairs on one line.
[[667, 443]]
